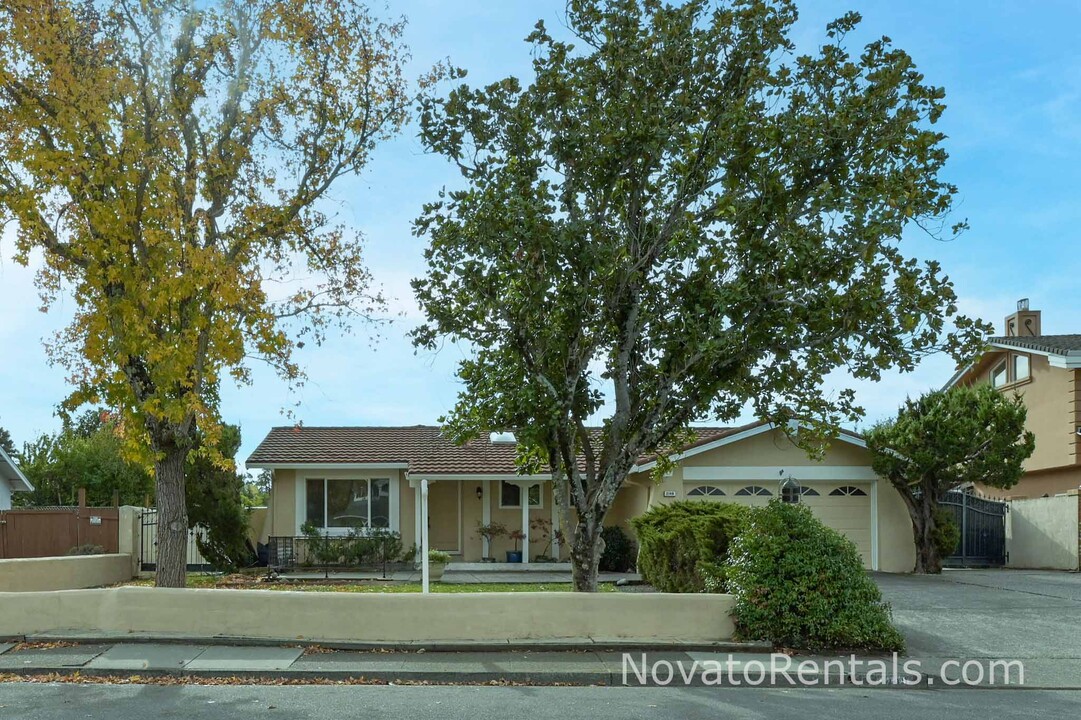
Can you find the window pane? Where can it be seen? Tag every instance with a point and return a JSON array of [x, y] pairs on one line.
[[1020, 367], [347, 503], [380, 503], [998, 375], [534, 496], [510, 495], [314, 502]]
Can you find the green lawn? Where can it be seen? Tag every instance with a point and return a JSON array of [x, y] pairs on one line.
[[368, 586]]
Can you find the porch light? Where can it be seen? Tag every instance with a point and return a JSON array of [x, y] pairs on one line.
[[480, 493]]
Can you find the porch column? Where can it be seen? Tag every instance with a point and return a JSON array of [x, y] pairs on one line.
[[523, 494], [424, 536]]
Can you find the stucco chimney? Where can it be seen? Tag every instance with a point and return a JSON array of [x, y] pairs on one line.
[[1024, 322]]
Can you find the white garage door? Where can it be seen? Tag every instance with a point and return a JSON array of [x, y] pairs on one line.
[[844, 506]]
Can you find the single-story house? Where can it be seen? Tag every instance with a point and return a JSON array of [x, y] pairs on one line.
[[12, 480], [341, 478]]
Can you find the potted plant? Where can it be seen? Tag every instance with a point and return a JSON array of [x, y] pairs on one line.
[[515, 555], [489, 533], [437, 563]]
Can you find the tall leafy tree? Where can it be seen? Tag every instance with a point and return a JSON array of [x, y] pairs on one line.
[[945, 439], [676, 219], [167, 159]]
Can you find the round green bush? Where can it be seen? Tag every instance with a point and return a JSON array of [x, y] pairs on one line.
[[682, 544], [619, 550], [800, 584]]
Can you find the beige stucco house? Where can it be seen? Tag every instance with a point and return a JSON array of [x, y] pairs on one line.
[[343, 477], [1045, 370]]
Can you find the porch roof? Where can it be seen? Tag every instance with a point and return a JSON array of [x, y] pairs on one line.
[[423, 449]]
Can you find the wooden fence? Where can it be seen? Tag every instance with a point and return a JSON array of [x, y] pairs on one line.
[[46, 532]]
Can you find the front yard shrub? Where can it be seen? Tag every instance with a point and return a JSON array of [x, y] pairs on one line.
[[386, 547], [800, 584], [681, 543], [324, 549], [619, 550]]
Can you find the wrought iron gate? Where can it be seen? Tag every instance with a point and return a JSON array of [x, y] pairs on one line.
[[148, 545], [983, 530]]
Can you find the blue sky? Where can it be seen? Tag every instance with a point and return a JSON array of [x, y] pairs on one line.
[[1012, 73]]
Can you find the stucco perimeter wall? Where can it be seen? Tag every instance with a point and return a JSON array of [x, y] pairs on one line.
[[1042, 533], [376, 617], [34, 575]]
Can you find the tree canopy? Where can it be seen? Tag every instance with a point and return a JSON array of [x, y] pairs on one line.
[[166, 159], [680, 218], [947, 439], [6, 442], [87, 453]]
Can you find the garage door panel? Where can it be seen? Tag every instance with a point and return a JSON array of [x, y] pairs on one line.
[[848, 514]]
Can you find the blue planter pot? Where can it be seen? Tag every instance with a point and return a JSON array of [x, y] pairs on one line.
[[514, 556]]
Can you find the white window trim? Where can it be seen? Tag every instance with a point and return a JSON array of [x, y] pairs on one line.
[[539, 506], [302, 497]]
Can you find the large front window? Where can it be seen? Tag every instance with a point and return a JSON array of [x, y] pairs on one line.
[[334, 503]]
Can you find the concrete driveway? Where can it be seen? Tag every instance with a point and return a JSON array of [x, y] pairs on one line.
[[1028, 615]]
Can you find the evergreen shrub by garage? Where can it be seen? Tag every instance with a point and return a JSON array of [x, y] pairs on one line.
[[619, 550], [800, 584], [681, 544]]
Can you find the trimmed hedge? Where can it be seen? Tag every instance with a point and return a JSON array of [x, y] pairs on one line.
[[800, 584], [683, 543]]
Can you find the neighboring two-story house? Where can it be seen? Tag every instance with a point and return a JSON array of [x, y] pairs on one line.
[[1045, 370]]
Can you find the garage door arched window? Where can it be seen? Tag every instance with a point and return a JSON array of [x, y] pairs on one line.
[[753, 490], [705, 491], [847, 491]]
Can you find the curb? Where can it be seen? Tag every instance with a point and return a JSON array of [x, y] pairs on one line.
[[482, 678], [454, 647]]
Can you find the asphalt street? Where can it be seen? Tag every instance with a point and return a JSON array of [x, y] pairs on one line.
[[20, 701]]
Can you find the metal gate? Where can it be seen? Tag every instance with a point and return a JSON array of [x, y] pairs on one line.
[[983, 530], [148, 545]]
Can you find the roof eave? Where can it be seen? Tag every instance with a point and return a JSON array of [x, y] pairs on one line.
[[18, 481]]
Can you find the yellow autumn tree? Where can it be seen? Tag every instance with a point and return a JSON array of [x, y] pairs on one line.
[[167, 159]]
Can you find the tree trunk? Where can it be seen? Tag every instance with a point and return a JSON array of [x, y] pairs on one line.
[[586, 548], [928, 561], [172, 518]]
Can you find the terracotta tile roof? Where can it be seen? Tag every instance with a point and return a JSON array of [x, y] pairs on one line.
[[1055, 344], [422, 447]]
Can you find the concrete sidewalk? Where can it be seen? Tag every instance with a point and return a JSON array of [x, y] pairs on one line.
[[527, 667]]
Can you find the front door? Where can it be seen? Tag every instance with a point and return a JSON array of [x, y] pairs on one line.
[[444, 515]]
